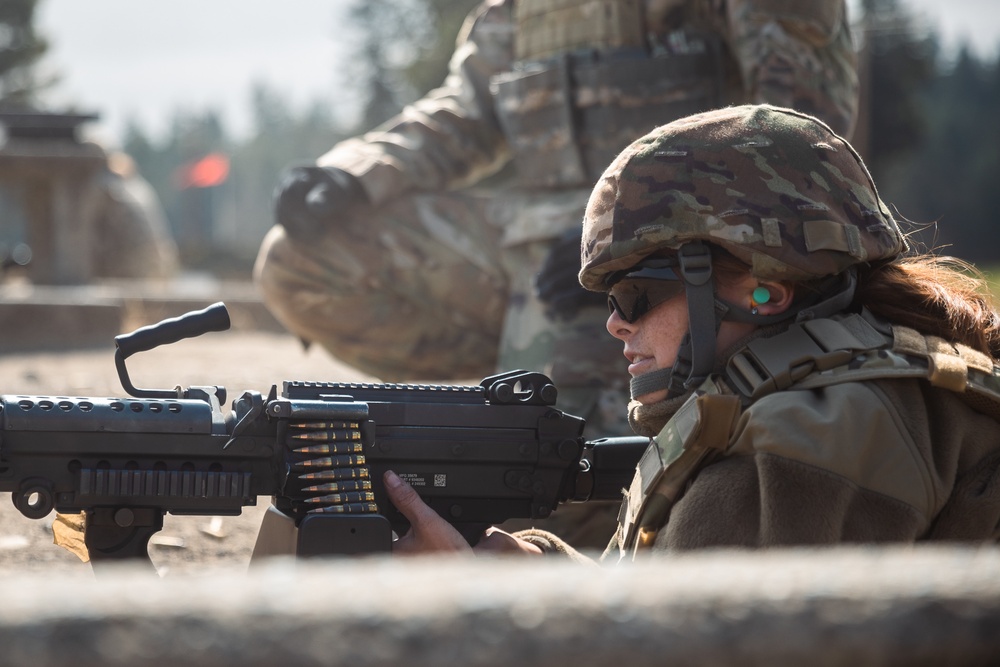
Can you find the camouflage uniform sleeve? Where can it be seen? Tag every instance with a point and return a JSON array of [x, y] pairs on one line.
[[798, 55], [449, 137]]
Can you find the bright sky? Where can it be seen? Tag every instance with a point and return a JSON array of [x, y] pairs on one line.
[[144, 59]]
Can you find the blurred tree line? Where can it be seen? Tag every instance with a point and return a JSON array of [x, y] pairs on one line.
[[400, 51], [928, 127], [20, 50], [929, 132]]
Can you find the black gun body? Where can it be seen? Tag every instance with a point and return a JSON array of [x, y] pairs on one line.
[[478, 455], [128, 461], [75, 454], [491, 463]]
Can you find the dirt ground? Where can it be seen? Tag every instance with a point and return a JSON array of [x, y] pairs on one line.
[[236, 360]]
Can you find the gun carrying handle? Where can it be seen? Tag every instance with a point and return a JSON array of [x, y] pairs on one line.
[[189, 325]]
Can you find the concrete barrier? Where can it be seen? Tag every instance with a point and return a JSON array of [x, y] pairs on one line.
[[860, 606], [44, 318], [63, 323]]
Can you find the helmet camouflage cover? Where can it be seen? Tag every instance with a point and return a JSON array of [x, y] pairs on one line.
[[775, 187]]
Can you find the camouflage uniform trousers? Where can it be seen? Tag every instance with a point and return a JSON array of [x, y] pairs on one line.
[[429, 288]]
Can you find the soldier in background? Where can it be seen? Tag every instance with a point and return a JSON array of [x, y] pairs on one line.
[[134, 238], [76, 210], [389, 254]]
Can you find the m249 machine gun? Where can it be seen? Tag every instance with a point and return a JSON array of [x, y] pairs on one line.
[[478, 455]]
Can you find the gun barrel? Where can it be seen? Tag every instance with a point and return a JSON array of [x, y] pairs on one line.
[[72, 454]]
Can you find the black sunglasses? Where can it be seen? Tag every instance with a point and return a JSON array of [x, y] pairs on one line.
[[635, 293]]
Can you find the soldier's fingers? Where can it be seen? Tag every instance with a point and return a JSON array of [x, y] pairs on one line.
[[428, 533], [407, 501], [496, 541]]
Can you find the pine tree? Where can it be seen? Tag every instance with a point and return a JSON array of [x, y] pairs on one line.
[[403, 50], [20, 50], [950, 178], [901, 63]]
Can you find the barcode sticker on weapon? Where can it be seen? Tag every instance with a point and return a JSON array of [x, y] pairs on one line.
[[440, 480]]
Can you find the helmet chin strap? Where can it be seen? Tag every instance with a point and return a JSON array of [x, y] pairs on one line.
[[696, 354], [695, 358]]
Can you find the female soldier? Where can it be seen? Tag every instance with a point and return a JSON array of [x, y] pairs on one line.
[[803, 381]]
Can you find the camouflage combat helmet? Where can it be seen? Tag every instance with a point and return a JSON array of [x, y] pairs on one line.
[[776, 188]]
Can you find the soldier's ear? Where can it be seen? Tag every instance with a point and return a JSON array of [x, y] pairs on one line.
[[772, 297]]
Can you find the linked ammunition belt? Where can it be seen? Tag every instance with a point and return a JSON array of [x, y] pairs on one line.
[[328, 463]]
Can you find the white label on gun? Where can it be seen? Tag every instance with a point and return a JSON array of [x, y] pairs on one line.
[[413, 479]]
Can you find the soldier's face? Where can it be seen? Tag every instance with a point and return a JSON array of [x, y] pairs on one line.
[[651, 341]]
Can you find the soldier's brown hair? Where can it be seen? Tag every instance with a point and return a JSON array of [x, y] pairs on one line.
[[933, 294]]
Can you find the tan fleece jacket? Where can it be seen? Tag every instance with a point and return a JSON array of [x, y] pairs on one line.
[[881, 461]]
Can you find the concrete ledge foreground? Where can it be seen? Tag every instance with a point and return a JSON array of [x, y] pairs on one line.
[[855, 607]]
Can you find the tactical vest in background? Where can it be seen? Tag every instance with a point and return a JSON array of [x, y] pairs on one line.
[[592, 76]]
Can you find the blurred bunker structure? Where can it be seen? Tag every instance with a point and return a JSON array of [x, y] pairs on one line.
[[81, 215], [46, 167]]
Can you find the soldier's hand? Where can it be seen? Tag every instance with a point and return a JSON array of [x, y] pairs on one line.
[[309, 199], [428, 533], [557, 284], [496, 541]]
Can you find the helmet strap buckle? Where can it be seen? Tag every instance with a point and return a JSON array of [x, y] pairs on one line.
[[696, 268], [696, 263]]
